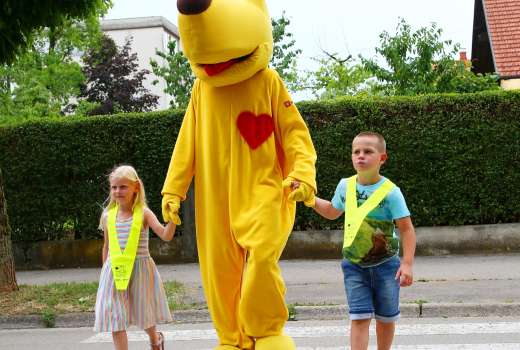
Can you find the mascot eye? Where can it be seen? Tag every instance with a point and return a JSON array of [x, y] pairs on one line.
[[192, 7]]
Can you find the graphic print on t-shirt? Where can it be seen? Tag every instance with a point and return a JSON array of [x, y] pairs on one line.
[[374, 243]]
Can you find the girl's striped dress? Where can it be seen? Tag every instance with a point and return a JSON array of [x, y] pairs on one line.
[[143, 303]]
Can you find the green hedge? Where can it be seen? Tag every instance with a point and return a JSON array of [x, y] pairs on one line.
[[455, 157], [56, 172]]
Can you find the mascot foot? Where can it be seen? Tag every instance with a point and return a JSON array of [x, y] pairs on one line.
[[226, 347], [277, 342]]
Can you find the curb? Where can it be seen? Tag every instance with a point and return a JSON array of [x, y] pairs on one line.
[[301, 313], [310, 244], [86, 319], [415, 310]]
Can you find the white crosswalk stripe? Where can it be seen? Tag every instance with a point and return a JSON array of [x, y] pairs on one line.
[[339, 331], [504, 346]]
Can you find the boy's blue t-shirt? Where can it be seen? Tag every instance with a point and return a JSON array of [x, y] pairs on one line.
[[376, 240]]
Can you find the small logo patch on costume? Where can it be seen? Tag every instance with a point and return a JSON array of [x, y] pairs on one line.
[[255, 129], [287, 103]]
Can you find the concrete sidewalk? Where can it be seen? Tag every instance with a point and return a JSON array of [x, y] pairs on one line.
[[469, 285]]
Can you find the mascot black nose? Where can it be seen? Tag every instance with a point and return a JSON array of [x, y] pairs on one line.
[[192, 7]]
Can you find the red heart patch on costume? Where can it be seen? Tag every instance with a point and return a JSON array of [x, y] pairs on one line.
[[255, 129]]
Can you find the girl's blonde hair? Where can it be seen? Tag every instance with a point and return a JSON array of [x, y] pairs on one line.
[[125, 172]]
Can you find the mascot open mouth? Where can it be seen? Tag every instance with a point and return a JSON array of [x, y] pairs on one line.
[[216, 68]]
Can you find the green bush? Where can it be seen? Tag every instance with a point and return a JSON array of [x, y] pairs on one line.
[[455, 157], [55, 172]]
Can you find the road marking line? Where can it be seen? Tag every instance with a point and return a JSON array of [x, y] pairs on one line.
[[497, 346], [335, 331]]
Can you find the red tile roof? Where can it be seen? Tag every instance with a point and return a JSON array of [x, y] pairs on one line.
[[503, 23]]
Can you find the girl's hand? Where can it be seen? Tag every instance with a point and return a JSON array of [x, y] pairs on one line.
[[170, 208], [164, 232]]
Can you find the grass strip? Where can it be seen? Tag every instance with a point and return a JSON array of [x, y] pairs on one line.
[[61, 298]]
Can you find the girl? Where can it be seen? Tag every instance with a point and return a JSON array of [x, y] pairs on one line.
[[130, 289]]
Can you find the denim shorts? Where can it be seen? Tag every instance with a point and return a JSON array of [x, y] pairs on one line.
[[372, 291]]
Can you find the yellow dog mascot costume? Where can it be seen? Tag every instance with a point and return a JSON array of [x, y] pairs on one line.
[[245, 142]]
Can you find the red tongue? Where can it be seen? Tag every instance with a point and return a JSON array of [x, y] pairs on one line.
[[214, 69]]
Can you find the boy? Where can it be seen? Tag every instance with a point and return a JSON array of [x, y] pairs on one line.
[[371, 267]]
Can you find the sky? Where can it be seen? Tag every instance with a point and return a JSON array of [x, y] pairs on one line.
[[344, 27], [341, 26]]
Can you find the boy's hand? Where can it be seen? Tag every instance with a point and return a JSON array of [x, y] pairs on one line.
[[170, 208], [404, 275], [300, 192]]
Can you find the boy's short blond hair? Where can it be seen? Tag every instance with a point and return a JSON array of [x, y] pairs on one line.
[[378, 136]]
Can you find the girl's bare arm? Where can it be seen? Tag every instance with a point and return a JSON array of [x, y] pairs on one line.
[[166, 233]]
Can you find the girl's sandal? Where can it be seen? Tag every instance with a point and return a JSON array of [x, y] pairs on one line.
[[160, 344]]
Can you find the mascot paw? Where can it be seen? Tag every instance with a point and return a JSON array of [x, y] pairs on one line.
[[300, 191], [226, 347], [170, 208], [277, 342]]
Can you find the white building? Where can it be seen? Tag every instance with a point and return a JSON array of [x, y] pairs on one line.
[[148, 34]]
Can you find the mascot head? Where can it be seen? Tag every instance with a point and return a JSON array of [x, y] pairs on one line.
[[225, 41]]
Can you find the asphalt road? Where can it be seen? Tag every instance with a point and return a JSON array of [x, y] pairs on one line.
[[412, 334], [440, 279]]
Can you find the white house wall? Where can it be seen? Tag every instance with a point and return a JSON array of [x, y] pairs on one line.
[[510, 84], [144, 42]]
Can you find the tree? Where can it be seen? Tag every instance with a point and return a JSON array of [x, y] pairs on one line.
[[113, 80], [284, 54], [19, 19], [177, 73], [461, 79], [46, 76], [37, 85], [336, 77], [420, 62], [7, 270]]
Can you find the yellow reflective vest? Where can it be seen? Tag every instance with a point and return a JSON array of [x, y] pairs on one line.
[[354, 215], [123, 261]]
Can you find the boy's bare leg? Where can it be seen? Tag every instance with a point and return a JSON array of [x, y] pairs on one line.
[[120, 340], [359, 334], [385, 334]]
